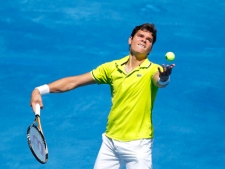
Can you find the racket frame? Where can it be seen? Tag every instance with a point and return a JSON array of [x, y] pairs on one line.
[[39, 129]]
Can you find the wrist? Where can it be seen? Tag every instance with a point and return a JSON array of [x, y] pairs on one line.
[[44, 89], [164, 78], [163, 81]]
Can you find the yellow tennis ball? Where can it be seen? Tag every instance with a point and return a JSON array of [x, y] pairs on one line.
[[170, 56]]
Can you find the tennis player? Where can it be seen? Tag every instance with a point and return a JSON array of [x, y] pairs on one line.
[[134, 81]]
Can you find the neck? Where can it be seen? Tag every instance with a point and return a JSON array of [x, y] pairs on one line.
[[133, 62]]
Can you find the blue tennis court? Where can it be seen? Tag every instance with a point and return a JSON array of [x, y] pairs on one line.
[[42, 41]]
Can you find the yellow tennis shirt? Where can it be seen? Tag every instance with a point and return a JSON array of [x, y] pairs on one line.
[[133, 96]]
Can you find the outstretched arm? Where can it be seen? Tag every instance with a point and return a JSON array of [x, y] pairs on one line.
[[61, 85], [162, 77]]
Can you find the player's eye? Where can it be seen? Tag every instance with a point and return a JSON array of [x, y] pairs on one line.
[[150, 40], [140, 35]]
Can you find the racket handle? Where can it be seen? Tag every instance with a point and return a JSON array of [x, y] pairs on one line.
[[37, 110]]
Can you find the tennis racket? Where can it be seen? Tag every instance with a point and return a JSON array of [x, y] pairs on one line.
[[36, 140]]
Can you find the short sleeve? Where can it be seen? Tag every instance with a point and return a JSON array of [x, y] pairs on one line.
[[101, 74]]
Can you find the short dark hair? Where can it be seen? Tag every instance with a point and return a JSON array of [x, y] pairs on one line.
[[146, 26]]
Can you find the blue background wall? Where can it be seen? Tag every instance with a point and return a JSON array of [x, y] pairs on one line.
[[41, 41]]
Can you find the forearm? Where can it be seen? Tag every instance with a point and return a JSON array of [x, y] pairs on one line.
[[63, 85], [66, 84]]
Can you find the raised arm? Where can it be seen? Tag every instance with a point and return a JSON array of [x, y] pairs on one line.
[[61, 85]]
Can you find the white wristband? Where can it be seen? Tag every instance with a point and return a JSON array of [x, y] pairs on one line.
[[44, 89], [164, 83]]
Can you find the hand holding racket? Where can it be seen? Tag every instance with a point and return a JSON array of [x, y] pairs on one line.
[[36, 140]]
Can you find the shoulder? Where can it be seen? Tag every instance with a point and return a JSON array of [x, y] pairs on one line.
[[110, 66], [155, 65], [153, 68], [150, 66], [103, 72]]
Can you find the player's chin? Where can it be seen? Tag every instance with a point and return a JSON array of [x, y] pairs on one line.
[[143, 52], [140, 51]]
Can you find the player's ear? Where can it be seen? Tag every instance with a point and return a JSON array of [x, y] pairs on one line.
[[129, 40]]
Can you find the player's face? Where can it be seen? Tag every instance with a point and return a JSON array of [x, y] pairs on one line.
[[141, 43]]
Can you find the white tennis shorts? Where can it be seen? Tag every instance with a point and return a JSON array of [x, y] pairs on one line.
[[114, 154]]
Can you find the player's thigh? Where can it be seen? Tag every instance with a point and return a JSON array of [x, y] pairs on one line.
[[140, 155], [107, 158]]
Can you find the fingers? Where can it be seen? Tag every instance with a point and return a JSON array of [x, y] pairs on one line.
[[166, 70], [172, 65], [159, 70], [35, 99], [170, 68]]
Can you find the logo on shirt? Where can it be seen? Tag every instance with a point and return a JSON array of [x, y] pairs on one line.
[[139, 75]]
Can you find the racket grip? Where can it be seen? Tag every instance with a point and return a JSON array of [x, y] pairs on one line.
[[37, 110]]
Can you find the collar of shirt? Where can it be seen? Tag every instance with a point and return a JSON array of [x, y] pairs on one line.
[[124, 60]]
